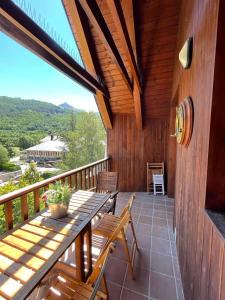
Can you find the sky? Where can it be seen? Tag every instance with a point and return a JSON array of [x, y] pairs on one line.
[[25, 75]]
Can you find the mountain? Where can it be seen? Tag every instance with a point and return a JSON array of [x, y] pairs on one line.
[[11, 106], [30, 119], [67, 106]]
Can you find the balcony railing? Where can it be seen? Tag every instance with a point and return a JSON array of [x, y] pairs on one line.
[[21, 201]]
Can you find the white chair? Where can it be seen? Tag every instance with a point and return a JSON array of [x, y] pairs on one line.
[[158, 184]]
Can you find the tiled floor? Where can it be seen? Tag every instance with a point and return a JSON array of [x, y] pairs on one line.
[[157, 274]]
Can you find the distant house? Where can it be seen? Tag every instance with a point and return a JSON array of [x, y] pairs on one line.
[[50, 149]]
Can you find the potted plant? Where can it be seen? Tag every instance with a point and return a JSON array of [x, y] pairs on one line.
[[57, 199]]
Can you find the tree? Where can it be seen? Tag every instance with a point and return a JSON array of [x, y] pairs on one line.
[[86, 143], [25, 142], [4, 157], [31, 175]]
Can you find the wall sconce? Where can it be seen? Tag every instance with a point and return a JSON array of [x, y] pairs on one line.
[[185, 55]]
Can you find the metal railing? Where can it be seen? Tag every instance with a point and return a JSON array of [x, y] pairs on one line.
[[80, 178]]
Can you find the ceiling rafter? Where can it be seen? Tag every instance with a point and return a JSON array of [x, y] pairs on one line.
[[126, 30], [96, 18], [80, 28], [121, 27], [15, 23]]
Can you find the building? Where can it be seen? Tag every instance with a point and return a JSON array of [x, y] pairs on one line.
[[49, 150]]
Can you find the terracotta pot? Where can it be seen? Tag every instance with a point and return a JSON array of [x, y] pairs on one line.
[[58, 210]]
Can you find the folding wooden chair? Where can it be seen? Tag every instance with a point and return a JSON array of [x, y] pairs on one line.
[[107, 182], [61, 285], [113, 228]]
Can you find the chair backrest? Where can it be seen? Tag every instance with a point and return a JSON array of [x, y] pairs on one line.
[[100, 264], [107, 182], [158, 179]]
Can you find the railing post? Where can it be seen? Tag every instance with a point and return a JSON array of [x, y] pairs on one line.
[[36, 200], [24, 207], [9, 215]]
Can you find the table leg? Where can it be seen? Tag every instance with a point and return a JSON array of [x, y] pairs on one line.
[[79, 253], [89, 245]]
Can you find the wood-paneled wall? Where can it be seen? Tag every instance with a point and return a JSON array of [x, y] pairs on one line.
[[131, 148], [199, 243]]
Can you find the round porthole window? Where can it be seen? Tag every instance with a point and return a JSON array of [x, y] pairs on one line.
[[184, 122]]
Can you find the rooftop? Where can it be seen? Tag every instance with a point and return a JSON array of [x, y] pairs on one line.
[[54, 146]]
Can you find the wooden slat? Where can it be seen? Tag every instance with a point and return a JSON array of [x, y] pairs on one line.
[[20, 256], [28, 247], [15, 270], [32, 237], [44, 232], [8, 286]]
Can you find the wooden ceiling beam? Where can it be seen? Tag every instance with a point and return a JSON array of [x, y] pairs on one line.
[[15, 23], [128, 13], [80, 28], [96, 18], [121, 27]]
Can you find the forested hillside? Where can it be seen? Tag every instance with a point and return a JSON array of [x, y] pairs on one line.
[[24, 122]]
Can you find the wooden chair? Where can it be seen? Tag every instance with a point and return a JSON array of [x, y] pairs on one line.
[[107, 182], [113, 228], [61, 285]]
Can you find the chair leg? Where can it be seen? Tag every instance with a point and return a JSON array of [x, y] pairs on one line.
[[104, 285], [127, 252], [133, 231]]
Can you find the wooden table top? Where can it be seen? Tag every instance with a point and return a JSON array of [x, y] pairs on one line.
[[30, 250]]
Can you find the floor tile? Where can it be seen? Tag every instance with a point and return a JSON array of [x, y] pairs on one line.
[[180, 290], [143, 229], [173, 248], [144, 241], [160, 214], [161, 246], [115, 270], [160, 207], [145, 220], [114, 290], [147, 212], [130, 295], [159, 221], [176, 268], [142, 259], [141, 282], [161, 264], [162, 287], [160, 232]]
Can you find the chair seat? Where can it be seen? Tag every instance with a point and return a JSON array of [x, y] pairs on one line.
[[106, 225], [64, 287]]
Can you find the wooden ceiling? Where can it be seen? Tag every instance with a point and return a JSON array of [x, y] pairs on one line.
[[155, 25]]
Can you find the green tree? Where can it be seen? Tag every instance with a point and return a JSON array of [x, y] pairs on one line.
[[25, 142], [86, 143], [31, 175], [4, 157]]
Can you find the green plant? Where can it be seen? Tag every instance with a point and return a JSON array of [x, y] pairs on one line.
[[57, 193], [10, 167]]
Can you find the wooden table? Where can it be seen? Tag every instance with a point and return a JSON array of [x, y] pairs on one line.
[[29, 251]]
